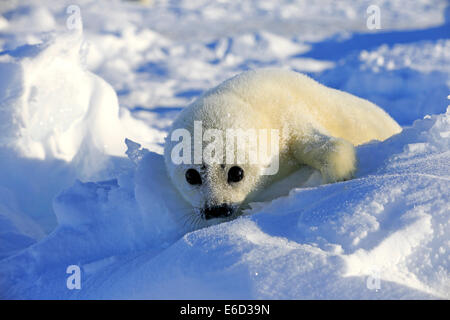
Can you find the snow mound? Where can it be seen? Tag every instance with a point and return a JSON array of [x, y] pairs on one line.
[[55, 108], [59, 122]]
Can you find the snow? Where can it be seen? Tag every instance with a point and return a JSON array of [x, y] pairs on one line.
[[83, 118]]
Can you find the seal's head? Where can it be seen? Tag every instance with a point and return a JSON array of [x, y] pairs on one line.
[[205, 160], [216, 191]]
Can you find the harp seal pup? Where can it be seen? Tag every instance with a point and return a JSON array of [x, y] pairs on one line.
[[319, 128]]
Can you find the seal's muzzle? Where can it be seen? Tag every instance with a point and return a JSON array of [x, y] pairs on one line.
[[221, 211]]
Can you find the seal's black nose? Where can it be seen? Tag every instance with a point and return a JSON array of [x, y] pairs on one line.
[[220, 211]]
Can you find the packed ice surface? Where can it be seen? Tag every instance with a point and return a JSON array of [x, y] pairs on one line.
[[69, 195]]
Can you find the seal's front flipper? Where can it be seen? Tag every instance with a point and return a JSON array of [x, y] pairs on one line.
[[335, 158]]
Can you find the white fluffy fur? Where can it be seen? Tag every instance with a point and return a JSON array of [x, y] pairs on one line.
[[321, 126]]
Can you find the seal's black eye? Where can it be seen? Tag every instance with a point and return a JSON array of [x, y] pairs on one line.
[[235, 174], [193, 177]]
